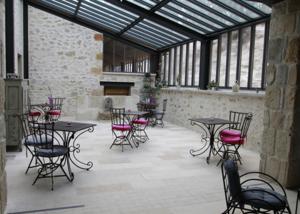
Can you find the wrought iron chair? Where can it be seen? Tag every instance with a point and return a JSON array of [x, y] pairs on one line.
[[55, 104], [159, 115], [50, 156], [30, 141], [139, 133], [232, 138], [252, 192], [120, 127]]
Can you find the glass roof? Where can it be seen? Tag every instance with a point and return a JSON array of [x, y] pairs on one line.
[[157, 24]]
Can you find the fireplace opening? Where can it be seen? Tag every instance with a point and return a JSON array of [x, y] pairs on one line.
[[117, 88]]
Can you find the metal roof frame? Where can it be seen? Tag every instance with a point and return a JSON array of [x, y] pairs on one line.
[[130, 23]]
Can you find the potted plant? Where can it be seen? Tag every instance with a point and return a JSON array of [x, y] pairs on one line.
[[212, 85]]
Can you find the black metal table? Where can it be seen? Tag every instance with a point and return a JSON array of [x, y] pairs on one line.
[[69, 133], [210, 126], [132, 115]]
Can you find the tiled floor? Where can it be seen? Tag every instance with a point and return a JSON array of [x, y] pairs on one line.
[[158, 177]]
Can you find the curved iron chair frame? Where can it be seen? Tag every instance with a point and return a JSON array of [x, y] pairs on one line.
[[50, 163], [159, 115], [121, 137], [237, 202], [243, 126]]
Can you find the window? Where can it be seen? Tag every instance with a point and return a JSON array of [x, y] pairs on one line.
[[122, 58]]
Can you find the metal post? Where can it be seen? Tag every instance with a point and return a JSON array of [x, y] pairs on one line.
[[205, 64]]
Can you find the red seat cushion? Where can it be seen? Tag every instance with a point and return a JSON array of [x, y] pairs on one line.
[[232, 140], [121, 127], [34, 113], [230, 132], [54, 112], [140, 121]]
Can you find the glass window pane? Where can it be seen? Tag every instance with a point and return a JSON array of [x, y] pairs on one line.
[[213, 62], [167, 67], [223, 60], [233, 58], [171, 66], [245, 57], [190, 63], [177, 65], [183, 65], [197, 63], [258, 55]]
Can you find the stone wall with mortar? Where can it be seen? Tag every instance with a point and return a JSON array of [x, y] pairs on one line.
[[280, 155], [67, 58], [3, 191], [186, 103], [128, 102]]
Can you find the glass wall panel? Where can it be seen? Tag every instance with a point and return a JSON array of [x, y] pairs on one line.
[[245, 57], [223, 60], [258, 55], [233, 58], [213, 62]]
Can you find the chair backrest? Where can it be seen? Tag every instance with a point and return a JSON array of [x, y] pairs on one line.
[[27, 128], [56, 103], [237, 117], [165, 104], [44, 132], [231, 181], [245, 125], [117, 116]]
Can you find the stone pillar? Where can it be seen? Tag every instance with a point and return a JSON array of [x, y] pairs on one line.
[[280, 155], [3, 191]]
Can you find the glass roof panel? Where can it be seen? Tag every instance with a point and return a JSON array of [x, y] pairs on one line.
[[162, 28], [104, 13], [98, 21], [240, 8], [191, 12], [67, 6], [260, 6], [208, 13], [101, 17], [160, 31], [146, 4], [114, 9], [133, 36], [221, 10], [182, 20]]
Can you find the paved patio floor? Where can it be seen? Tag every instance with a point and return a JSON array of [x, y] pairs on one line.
[[158, 177]]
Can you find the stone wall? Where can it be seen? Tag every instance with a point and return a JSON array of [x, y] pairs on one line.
[[67, 58], [3, 191], [186, 103], [281, 148]]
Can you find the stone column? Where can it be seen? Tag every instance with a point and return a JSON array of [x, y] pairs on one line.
[[3, 191], [280, 155]]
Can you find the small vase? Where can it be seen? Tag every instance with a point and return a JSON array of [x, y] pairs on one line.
[[236, 87]]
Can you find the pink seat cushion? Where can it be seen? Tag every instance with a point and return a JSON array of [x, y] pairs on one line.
[[232, 140], [230, 132], [54, 112], [34, 113], [140, 121], [121, 127]]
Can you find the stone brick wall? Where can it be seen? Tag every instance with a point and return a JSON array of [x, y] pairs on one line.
[[3, 191], [281, 149], [67, 58], [186, 103]]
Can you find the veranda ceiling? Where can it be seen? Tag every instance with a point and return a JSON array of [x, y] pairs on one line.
[[156, 24]]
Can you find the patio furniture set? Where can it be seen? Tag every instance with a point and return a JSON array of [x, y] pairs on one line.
[[52, 143], [129, 127], [252, 192]]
